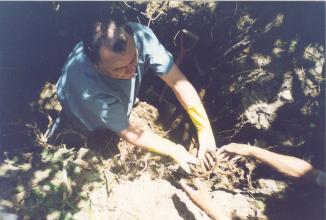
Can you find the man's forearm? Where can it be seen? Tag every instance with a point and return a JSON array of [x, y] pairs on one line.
[[182, 88], [189, 99], [186, 94], [156, 144], [147, 140]]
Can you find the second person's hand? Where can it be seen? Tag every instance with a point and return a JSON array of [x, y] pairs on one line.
[[239, 149]]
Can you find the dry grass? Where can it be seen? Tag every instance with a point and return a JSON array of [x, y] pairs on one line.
[[228, 172]]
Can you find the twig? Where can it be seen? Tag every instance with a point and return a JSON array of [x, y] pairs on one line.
[[244, 42], [145, 167], [236, 7], [225, 131], [212, 30], [158, 15], [245, 71], [153, 19], [311, 54], [135, 9], [175, 37], [198, 68], [107, 183]]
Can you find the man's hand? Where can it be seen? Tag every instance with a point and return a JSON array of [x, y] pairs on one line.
[[183, 158], [207, 156], [235, 148], [207, 145]]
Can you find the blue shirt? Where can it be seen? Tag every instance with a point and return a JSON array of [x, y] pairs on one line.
[[92, 100]]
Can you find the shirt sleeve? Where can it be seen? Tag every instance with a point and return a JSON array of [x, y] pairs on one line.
[[102, 113], [160, 60]]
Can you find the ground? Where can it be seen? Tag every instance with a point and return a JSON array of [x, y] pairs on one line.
[[259, 70], [92, 187]]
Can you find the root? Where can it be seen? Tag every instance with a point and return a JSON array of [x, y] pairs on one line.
[[228, 172]]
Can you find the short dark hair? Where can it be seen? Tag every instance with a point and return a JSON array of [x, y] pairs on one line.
[[97, 35]]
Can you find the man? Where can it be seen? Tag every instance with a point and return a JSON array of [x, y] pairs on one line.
[[292, 167], [101, 79]]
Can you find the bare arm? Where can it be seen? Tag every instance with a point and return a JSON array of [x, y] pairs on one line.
[[182, 88], [292, 167]]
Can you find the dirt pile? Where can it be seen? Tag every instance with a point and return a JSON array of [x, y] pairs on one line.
[[130, 185]]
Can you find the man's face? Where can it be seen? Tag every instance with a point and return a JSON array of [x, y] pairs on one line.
[[119, 65]]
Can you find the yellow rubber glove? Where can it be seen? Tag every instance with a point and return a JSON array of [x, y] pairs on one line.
[[205, 134], [177, 153]]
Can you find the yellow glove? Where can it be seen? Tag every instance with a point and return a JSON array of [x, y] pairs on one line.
[[206, 138], [177, 153]]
